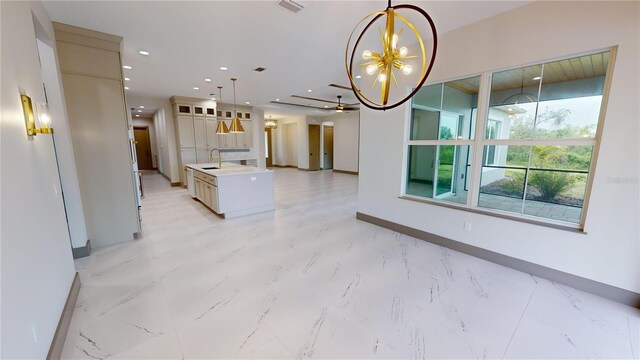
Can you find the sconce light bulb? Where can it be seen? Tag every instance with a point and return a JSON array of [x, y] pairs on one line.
[[404, 51], [45, 120], [406, 69], [382, 77], [371, 69], [366, 55]]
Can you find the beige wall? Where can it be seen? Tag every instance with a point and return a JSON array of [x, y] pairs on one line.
[[543, 30], [36, 263]]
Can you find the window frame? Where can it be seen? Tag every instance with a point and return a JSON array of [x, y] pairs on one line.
[[478, 143]]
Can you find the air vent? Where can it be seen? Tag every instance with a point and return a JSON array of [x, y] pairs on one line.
[[259, 69], [290, 5]]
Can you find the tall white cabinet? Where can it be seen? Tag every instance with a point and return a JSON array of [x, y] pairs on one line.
[[196, 124], [91, 73]]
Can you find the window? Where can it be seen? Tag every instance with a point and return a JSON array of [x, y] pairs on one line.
[[493, 128], [535, 152], [440, 139]]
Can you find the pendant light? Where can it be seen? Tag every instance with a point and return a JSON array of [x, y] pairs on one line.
[[521, 97], [271, 124], [236, 125], [380, 65], [222, 128]]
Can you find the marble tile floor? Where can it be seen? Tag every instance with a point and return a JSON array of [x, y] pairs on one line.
[[310, 281]]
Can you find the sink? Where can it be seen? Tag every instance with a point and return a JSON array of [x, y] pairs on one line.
[[210, 168]]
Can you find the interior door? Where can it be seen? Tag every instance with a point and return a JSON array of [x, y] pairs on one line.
[[143, 148], [314, 147], [328, 147]]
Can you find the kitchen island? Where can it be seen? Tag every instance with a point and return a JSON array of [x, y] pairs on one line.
[[231, 190]]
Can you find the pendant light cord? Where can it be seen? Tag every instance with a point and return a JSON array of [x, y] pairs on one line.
[[235, 104]]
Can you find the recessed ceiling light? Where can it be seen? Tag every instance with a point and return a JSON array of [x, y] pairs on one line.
[[326, 106], [309, 90], [277, 99], [207, 80], [224, 68], [196, 88], [141, 107], [213, 98], [247, 102], [358, 76], [139, 110], [143, 52], [137, 115], [126, 88], [537, 78], [126, 67], [126, 79]]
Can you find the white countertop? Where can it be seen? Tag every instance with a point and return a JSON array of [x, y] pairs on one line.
[[227, 169]]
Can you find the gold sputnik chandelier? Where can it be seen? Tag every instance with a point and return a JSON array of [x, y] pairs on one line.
[[382, 65]]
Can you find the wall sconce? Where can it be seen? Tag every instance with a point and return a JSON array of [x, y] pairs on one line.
[[29, 118]]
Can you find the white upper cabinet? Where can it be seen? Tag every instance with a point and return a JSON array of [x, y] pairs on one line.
[[185, 131], [199, 131], [248, 134], [211, 124], [198, 110]]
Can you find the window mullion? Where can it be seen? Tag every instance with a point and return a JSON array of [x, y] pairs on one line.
[[481, 121]]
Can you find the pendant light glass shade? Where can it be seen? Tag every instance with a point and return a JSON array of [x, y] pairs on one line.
[[222, 128], [236, 125]]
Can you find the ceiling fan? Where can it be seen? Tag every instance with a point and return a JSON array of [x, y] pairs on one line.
[[341, 108]]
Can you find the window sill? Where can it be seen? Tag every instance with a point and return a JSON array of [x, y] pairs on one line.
[[499, 214]]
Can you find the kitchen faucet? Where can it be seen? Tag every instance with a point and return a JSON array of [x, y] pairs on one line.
[[219, 157]]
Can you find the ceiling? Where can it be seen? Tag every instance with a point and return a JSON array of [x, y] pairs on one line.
[[582, 67], [189, 41]]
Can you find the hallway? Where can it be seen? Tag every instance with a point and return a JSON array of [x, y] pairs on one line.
[[309, 280]]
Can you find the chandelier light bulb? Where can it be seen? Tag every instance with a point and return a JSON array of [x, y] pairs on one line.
[[382, 77], [366, 55], [394, 40], [406, 69], [371, 69], [404, 51]]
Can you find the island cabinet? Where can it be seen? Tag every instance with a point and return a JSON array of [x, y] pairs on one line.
[[235, 190], [206, 190]]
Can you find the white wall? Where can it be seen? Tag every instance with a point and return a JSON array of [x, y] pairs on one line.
[[64, 146], [165, 132], [346, 133], [153, 143], [543, 30], [258, 136], [37, 267], [287, 148]]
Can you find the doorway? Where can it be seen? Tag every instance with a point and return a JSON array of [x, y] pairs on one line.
[[327, 144], [269, 148], [143, 147], [314, 147]]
